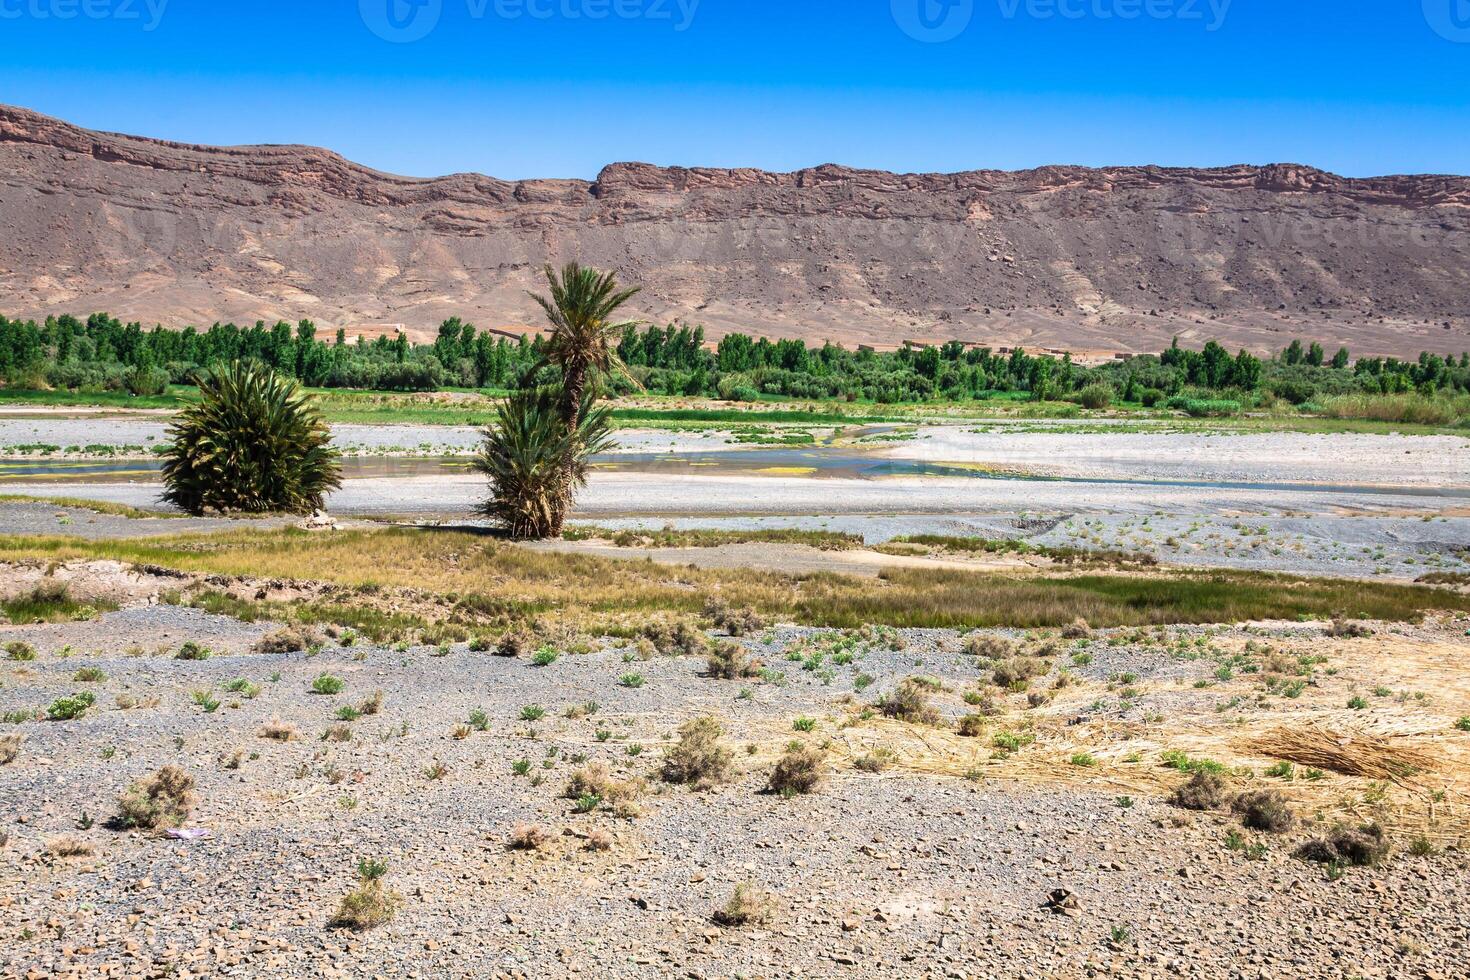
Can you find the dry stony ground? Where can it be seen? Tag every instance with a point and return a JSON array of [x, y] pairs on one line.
[[939, 865]]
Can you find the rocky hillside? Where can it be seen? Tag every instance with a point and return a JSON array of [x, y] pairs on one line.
[[1064, 257]]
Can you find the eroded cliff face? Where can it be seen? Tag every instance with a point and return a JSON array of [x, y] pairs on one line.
[[1064, 257]]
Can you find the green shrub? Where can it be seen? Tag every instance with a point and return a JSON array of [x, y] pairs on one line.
[[1096, 396], [1412, 409], [68, 708], [192, 651], [19, 651], [1202, 408], [253, 443], [327, 684]]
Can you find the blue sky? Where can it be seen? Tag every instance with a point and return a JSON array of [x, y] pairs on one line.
[[530, 88]]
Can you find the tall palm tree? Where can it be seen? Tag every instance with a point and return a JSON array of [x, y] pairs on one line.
[[583, 335]]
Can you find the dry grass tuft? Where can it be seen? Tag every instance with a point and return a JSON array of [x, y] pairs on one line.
[[340, 733], [595, 779], [1349, 754], [516, 643], [1077, 630], [748, 906], [1017, 671], [675, 637], [989, 646], [370, 904], [69, 847], [528, 837], [278, 730], [288, 639], [699, 759], [161, 800], [973, 726], [10, 748], [599, 840], [736, 622]]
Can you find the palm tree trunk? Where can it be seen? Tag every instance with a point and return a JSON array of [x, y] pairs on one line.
[[574, 383]]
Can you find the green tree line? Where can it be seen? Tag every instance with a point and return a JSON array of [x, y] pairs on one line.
[[102, 353]]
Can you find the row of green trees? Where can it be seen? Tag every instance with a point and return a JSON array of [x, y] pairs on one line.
[[103, 353]]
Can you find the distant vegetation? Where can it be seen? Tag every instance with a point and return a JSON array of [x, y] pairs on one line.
[[101, 354]]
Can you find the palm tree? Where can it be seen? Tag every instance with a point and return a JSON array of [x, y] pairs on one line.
[[583, 337], [536, 462], [255, 442]]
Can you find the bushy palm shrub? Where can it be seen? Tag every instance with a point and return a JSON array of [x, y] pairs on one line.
[[536, 461], [253, 444]]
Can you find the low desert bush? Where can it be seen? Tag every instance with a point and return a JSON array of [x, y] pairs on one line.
[[989, 646], [278, 730], [876, 761], [1077, 630], [72, 707], [20, 651], [1346, 629], [371, 903], [972, 726], [1264, 810], [595, 779], [731, 662], [516, 643], [192, 651], [528, 837], [1203, 791], [736, 622], [1017, 671], [69, 847], [288, 639], [158, 801], [1364, 846], [676, 637], [748, 905], [800, 770], [699, 759], [9, 748], [909, 702]]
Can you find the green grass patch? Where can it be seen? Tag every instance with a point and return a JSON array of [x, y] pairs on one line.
[[697, 538], [95, 506], [51, 602]]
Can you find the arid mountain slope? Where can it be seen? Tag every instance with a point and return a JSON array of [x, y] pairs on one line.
[[1069, 257]]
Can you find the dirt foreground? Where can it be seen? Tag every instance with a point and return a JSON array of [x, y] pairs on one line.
[[925, 849]]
